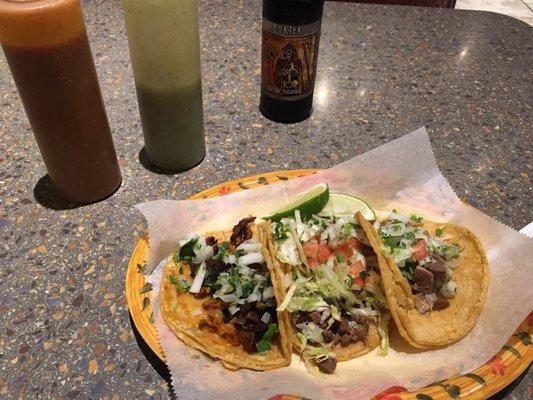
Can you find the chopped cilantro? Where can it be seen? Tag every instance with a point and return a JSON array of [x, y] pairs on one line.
[[391, 242], [340, 258], [222, 251], [280, 231], [407, 275], [181, 284], [396, 226], [363, 274], [266, 341], [452, 251], [176, 256], [416, 218], [408, 271], [186, 252], [247, 289], [409, 235], [239, 253], [439, 231], [347, 229], [349, 281]]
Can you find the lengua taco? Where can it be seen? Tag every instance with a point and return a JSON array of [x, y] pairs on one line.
[[217, 296], [331, 288], [435, 277]]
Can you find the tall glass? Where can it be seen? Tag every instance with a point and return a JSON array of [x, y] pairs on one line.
[[164, 47], [46, 47]]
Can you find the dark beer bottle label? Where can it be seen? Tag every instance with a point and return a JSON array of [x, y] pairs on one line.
[[288, 59]]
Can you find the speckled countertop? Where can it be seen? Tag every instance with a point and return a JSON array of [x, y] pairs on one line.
[[383, 71]]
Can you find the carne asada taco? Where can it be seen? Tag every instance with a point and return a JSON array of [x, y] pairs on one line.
[[217, 296], [435, 277], [331, 288]]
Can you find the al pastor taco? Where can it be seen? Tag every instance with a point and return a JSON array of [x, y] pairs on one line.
[[217, 296], [435, 277]]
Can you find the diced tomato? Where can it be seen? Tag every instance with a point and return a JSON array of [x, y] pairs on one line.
[[323, 252], [345, 252], [356, 268], [359, 281], [420, 251], [353, 243], [347, 247], [313, 263], [311, 248]]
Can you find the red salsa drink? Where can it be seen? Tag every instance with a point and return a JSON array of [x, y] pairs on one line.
[[46, 47]]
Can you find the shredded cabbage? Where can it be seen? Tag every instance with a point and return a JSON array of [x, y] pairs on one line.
[[311, 331], [317, 353], [383, 330], [288, 297], [287, 252]]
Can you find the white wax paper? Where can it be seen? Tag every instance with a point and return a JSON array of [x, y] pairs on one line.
[[401, 174]]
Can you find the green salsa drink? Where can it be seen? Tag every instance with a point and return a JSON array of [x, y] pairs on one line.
[[165, 53]]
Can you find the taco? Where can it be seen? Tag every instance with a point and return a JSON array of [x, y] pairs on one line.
[[217, 296], [435, 277], [331, 287]]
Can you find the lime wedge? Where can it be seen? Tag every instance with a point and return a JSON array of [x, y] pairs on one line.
[[344, 205], [309, 202]]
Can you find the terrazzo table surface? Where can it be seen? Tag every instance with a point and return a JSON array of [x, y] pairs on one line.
[[383, 71]]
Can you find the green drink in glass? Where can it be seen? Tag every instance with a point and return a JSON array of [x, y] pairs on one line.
[[164, 47]]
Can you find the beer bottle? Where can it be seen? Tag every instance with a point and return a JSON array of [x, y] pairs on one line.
[[289, 52]]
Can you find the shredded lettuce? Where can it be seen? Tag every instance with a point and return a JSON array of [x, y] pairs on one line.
[[348, 229], [417, 219], [383, 330], [287, 252], [317, 353], [288, 297], [303, 339], [311, 331]]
